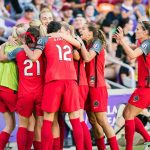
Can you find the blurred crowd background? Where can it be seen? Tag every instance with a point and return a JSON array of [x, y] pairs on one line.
[[107, 14]]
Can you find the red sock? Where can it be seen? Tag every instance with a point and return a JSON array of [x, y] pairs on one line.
[[101, 143], [86, 137], [4, 137], [139, 127], [37, 145], [30, 137], [62, 130], [77, 133], [113, 143], [22, 138], [56, 143], [129, 133], [47, 136]]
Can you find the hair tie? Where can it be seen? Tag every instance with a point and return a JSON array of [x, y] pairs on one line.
[[31, 36]]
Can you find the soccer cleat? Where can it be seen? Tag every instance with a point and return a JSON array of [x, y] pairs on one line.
[[147, 146]]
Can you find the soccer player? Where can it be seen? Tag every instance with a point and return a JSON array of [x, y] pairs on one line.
[[30, 88], [140, 98], [81, 80], [60, 91], [94, 56], [82, 87], [39, 120], [45, 17], [9, 86]]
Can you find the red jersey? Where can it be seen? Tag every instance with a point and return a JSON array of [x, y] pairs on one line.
[[95, 68], [144, 65], [81, 74], [59, 59], [31, 74]]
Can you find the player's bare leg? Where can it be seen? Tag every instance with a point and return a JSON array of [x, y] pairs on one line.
[[46, 133], [102, 120], [77, 129], [129, 114], [9, 127], [97, 130], [86, 132], [9, 121]]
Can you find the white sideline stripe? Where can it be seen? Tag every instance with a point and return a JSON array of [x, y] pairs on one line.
[[120, 91]]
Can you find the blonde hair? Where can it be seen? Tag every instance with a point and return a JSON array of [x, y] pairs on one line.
[[37, 24], [68, 27], [18, 30], [45, 10]]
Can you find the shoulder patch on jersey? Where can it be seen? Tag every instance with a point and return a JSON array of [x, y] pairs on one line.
[[96, 45], [144, 45], [39, 41]]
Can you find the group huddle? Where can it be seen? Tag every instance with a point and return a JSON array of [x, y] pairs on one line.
[[46, 69]]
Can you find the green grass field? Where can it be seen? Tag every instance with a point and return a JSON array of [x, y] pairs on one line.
[[140, 147]]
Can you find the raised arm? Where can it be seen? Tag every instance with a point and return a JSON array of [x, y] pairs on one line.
[[128, 50], [33, 55], [40, 45], [76, 55], [95, 49], [73, 41], [87, 55], [3, 56]]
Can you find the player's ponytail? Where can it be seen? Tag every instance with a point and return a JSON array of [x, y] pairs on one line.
[[102, 37], [97, 33], [32, 35]]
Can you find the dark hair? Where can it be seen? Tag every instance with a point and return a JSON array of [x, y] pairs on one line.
[[97, 33], [53, 26], [145, 25], [89, 3], [32, 35], [123, 22]]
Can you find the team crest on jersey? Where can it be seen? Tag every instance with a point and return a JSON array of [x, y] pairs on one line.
[[136, 98], [96, 103], [92, 80]]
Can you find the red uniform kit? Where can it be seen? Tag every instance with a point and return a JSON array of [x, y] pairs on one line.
[[82, 82], [141, 97], [8, 99], [60, 89], [98, 96], [30, 88]]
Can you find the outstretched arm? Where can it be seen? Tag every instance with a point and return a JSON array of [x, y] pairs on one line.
[[120, 38], [68, 38]]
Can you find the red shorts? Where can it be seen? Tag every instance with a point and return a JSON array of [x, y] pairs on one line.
[[83, 92], [61, 94], [8, 100], [140, 98], [97, 100], [29, 103]]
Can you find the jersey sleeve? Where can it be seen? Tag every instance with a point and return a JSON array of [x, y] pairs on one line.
[[12, 55], [41, 43], [96, 46], [145, 47]]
